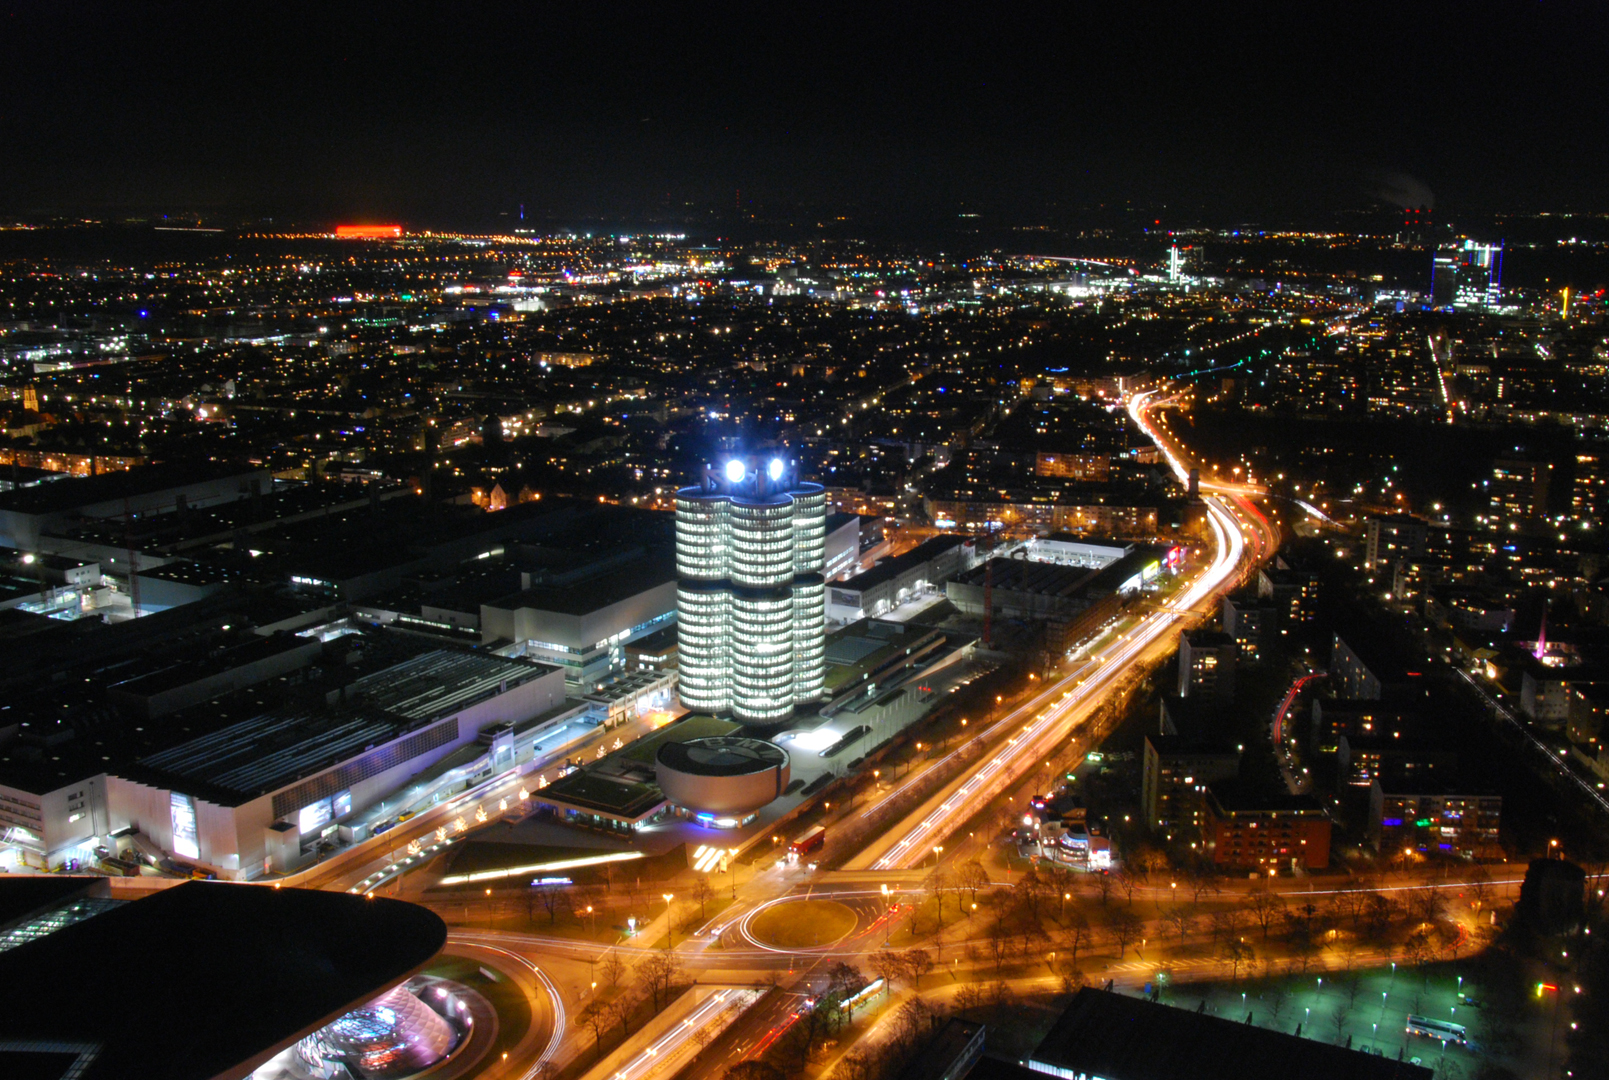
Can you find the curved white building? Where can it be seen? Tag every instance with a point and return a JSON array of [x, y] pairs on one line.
[[750, 603]]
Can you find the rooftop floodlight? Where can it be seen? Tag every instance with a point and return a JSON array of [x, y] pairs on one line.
[[734, 471], [775, 469]]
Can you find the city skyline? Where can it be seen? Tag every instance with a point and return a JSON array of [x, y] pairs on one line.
[[625, 542]]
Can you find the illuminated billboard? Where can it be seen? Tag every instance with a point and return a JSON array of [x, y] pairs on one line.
[[182, 813], [317, 815], [368, 232]]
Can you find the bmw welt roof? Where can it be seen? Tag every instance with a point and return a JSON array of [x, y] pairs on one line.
[[202, 980]]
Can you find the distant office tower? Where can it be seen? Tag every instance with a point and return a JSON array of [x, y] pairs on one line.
[[1467, 277], [750, 603]]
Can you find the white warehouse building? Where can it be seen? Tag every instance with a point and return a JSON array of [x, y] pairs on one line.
[[245, 799]]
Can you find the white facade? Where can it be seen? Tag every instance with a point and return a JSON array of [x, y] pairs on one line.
[[241, 841], [750, 547], [47, 830]]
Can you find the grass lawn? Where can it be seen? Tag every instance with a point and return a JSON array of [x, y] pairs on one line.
[[804, 924]]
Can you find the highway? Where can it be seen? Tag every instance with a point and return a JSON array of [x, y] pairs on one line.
[[729, 950], [1241, 537]]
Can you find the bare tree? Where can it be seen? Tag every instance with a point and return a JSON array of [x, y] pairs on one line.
[[935, 885], [1152, 860], [1427, 905], [1478, 886], [623, 1008], [843, 980], [971, 876], [1227, 923], [914, 963], [553, 899], [1129, 884], [1237, 952], [999, 940], [703, 892], [1181, 919], [886, 965], [1077, 932], [1265, 907], [1103, 885], [611, 967], [1123, 927], [855, 1065], [597, 1016], [1338, 1018], [660, 972]]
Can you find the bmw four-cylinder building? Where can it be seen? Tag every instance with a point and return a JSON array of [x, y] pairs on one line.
[[750, 542]]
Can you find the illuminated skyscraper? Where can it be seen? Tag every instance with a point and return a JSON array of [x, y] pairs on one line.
[[750, 603], [1467, 277]]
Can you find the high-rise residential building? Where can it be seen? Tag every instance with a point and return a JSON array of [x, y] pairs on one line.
[[1388, 537], [1467, 277], [1518, 491], [1589, 496], [1207, 665], [750, 602]]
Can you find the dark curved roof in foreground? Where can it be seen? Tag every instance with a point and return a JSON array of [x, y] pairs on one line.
[[207, 979]]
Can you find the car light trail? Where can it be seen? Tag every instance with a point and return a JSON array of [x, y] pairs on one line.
[[559, 1019], [1077, 689]]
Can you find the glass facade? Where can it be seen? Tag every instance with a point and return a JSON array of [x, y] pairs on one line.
[[750, 603]]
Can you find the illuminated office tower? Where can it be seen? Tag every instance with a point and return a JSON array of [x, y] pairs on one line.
[[750, 603], [1467, 277]]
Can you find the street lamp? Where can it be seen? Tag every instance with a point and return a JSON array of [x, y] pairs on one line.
[[670, 927], [937, 851], [731, 861]]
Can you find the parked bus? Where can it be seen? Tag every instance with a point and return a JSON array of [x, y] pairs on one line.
[[809, 840], [1436, 1029]]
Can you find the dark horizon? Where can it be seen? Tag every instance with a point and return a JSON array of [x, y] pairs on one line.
[[906, 116]]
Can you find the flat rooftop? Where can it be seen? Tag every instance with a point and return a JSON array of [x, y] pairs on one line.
[[242, 971], [620, 583], [1027, 576], [442, 681], [64, 495], [271, 749], [254, 757], [928, 549], [1124, 1038], [584, 790]]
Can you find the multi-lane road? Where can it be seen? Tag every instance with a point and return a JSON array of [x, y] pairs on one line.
[[1241, 537]]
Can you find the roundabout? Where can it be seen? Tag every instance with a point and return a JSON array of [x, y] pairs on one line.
[[798, 924]]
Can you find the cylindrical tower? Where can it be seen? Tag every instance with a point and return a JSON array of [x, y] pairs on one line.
[[762, 655], [704, 670], [750, 544], [809, 638], [761, 555]]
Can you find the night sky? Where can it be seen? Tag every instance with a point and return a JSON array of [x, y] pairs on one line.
[[458, 113]]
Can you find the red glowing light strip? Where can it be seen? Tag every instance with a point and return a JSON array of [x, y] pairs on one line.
[[368, 232]]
